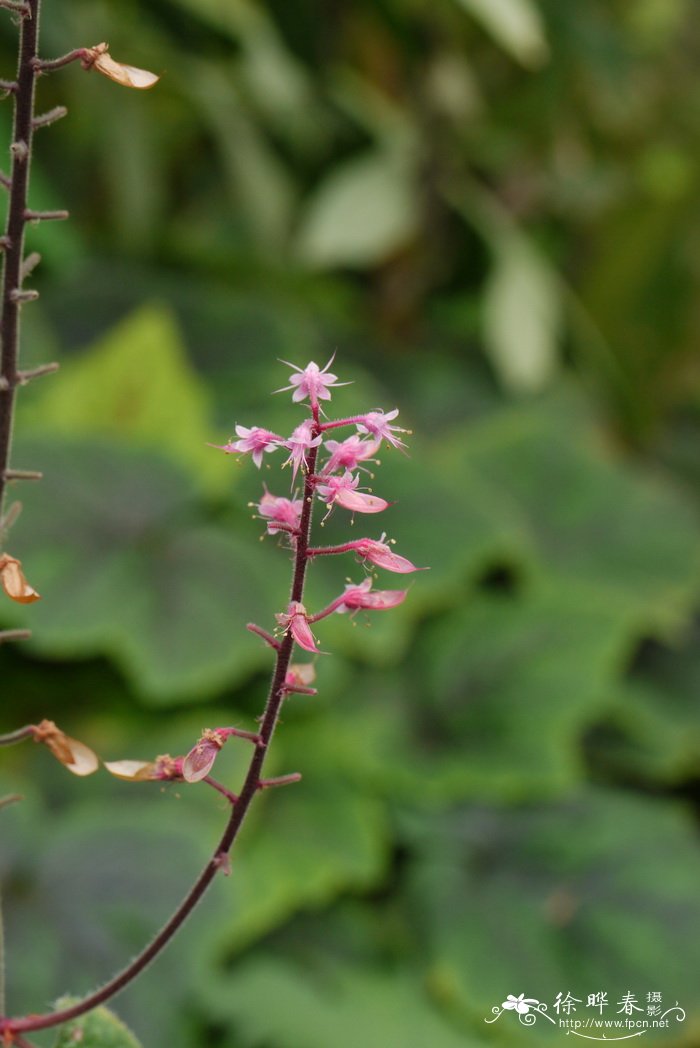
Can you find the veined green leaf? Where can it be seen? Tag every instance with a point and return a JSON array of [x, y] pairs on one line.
[[137, 384], [98, 1029], [331, 1004], [137, 574]]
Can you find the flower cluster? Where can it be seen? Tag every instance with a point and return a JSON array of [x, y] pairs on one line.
[[331, 470]]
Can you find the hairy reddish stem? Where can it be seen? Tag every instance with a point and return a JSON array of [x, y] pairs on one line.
[[14, 232], [7, 636], [267, 637], [220, 788], [321, 551], [299, 689], [335, 423], [279, 780], [252, 784], [19, 735], [284, 527], [18, 8], [333, 606], [46, 65]]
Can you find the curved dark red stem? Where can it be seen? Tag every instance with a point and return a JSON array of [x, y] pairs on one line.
[[251, 785], [13, 240]]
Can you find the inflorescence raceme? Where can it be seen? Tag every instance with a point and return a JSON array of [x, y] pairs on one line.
[[329, 471], [335, 481]]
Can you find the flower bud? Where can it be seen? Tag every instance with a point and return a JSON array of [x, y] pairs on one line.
[[13, 581], [98, 58], [74, 755]]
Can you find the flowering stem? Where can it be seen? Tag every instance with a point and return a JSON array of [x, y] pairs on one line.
[[18, 8], [14, 232], [23, 474], [18, 736], [284, 527], [267, 637], [333, 606], [22, 1042], [46, 65], [335, 423], [279, 780], [299, 689], [10, 798], [231, 797], [9, 635], [320, 551], [10, 1027], [44, 369], [50, 117]]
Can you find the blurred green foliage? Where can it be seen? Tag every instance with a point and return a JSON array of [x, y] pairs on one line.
[[99, 1029], [489, 209]]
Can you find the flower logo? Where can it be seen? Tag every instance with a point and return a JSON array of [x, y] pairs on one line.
[[520, 1004]]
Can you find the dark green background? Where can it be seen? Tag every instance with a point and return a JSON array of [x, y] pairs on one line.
[[489, 211]]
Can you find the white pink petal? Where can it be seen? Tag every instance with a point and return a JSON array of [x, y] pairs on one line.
[[383, 556], [278, 510], [299, 444], [312, 382], [359, 502], [342, 490], [362, 597], [296, 621], [347, 454], [254, 440], [378, 425]]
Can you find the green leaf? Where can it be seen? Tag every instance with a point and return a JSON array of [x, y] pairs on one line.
[[365, 210], [469, 523], [137, 384], [136, 575], [599, 891], [313, 841], [517, 679], [522, 316], [516, 25], [329, 1004], [587, 516], [98, 1029], [653, 731], [108, 875]]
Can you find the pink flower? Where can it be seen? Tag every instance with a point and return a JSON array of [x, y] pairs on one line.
[[296, 621], [255, 440], [312, 382], [382, 555], [348, 453], [300, 442], [360, 597], [278, 510], [342, 490], [376, 423]]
